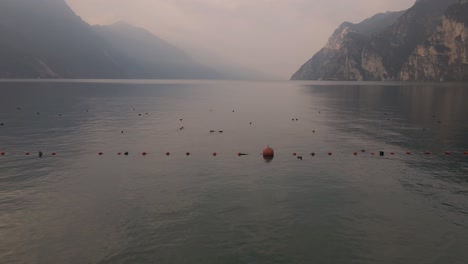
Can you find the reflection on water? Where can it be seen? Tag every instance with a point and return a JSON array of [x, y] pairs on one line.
[[79, 207]]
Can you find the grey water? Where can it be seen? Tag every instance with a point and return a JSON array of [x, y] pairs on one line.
[[79, 207]]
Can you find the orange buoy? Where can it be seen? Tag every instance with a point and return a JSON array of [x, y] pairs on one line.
[[268, 152]]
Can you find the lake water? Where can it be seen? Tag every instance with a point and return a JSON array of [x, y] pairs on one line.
[[79, 207]]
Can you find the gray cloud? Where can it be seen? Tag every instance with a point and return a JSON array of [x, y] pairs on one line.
[[274, 36]]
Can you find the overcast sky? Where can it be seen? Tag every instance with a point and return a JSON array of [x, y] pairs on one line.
[[273, 36]]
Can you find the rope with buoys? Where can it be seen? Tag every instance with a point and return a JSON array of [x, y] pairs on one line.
[[266, 153]]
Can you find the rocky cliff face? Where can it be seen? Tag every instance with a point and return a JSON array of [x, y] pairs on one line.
[[426, 42], [444, 56]]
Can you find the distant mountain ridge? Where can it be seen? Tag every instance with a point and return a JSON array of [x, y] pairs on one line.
[[46, 39], [427, 42]]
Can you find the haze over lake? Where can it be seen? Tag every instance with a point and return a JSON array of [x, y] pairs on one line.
[[79, 207]]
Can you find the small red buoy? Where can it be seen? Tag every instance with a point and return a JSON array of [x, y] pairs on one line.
[[447, 152], [2, 154], [119, 153], [214, 154], [168, 153], [329, 153], [294, 154], [268, 152], [392, 153], [408, 153], [27, 153], [427, 152], [188, 153], [373, 153], [144, 153], [465, 153], [53, 153], [100, 153], [355, 153]]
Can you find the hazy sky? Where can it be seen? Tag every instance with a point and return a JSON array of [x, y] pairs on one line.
[[273, 36]]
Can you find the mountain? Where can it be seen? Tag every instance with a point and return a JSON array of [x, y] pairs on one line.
[[143, 55], [46, 39], [394, 45]]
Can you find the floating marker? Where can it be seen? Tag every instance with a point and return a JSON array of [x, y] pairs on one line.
[[167, 153], [465, 153], [355, 153], [373, 153], [294, 154], [188, 153], [408, 153], [100, 153], [447, 152], [268, 152], [53, 154], [214, 154], [329, 153], [392, 153], [2, 154], [312, 154], [27, 153], [119, 154], [427, 152], [144, 153]]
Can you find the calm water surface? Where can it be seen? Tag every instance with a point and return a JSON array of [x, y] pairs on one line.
[[79, 207]]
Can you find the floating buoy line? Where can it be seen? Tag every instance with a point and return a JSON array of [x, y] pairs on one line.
[[267, 153]]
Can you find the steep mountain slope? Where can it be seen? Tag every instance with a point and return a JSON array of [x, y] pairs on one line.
[[46, 39], [392, 51]]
